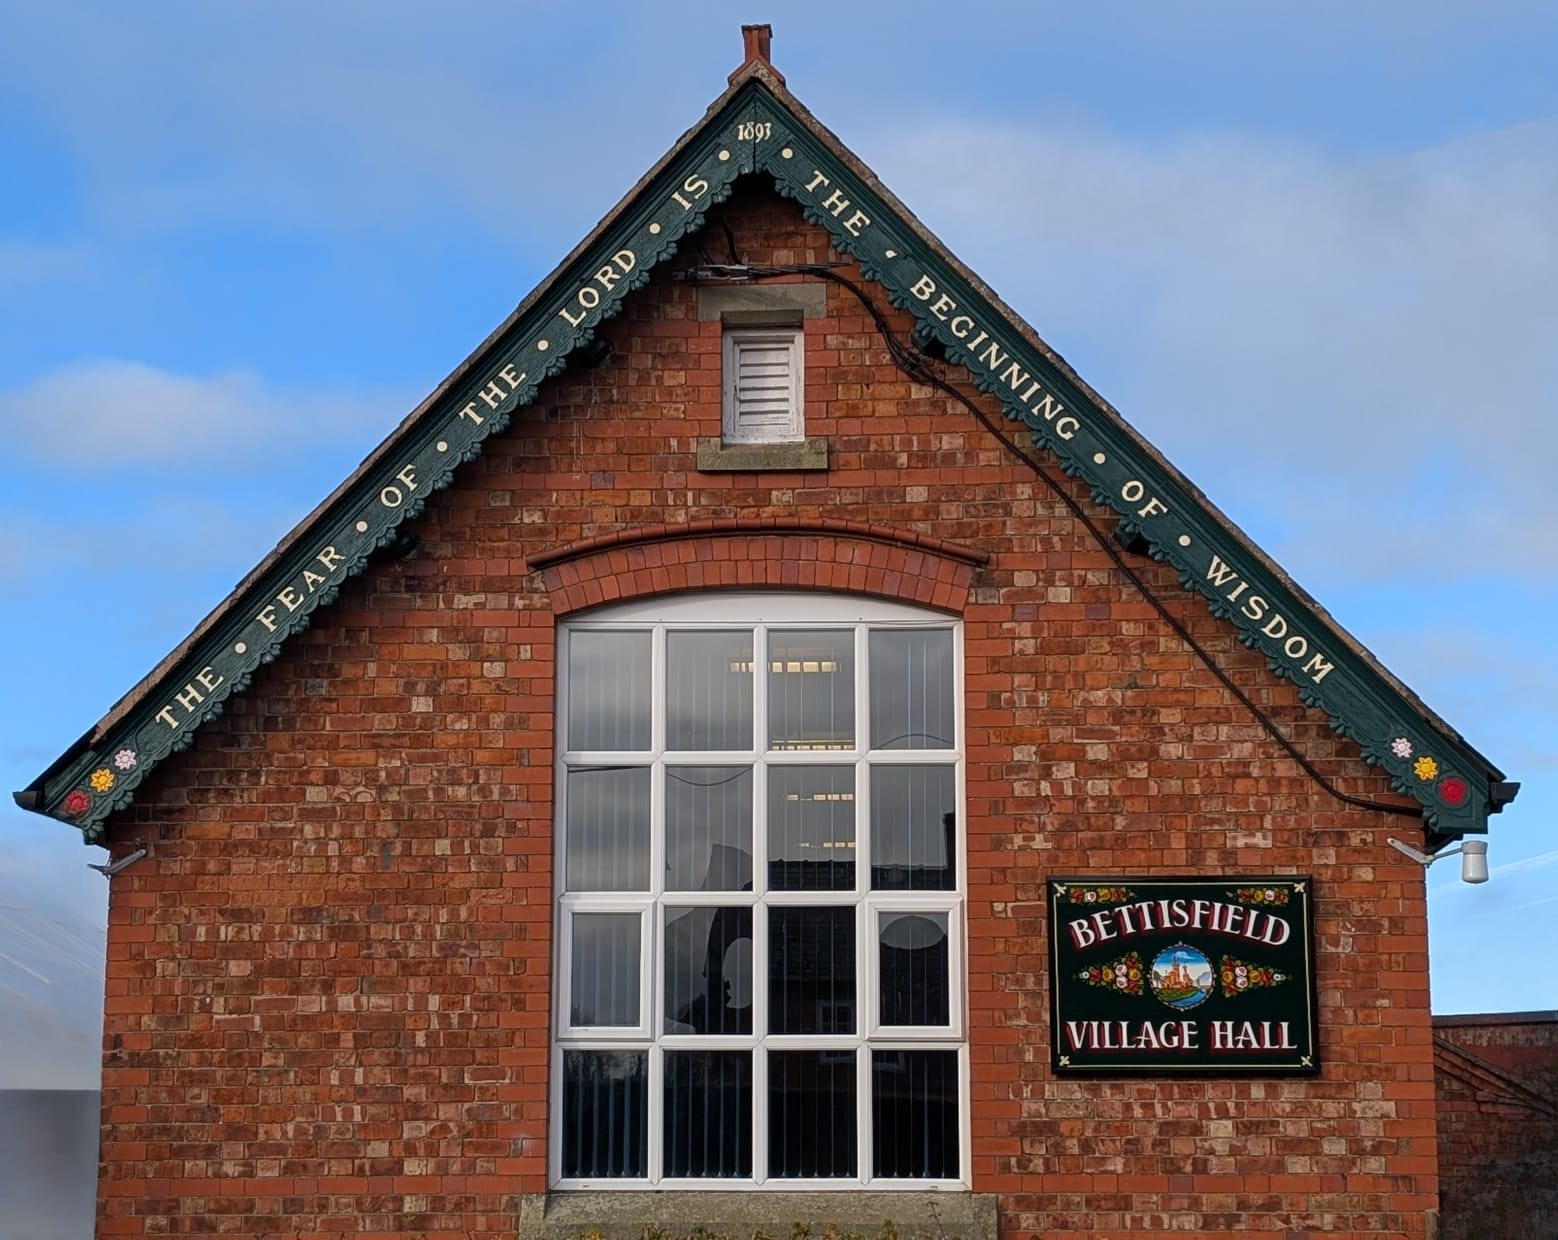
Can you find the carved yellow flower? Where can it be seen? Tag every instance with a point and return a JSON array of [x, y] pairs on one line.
[[101, 779], [1425, 767]]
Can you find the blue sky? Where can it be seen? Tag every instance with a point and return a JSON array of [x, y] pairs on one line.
[[1311, 252]]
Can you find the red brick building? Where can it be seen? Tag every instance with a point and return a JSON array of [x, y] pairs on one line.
[[764, 743]]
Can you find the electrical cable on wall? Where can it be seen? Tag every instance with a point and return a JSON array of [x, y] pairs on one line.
[[916, 365]]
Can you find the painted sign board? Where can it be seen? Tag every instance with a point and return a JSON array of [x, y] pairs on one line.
[[1161, 976]]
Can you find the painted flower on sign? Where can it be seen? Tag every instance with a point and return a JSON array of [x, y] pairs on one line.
[[125, 759], [1124, 974], [1099, 895], [1239, 976], [1425, 768], [101, 779], [1401, 747], [1262, 895], [76, 802]]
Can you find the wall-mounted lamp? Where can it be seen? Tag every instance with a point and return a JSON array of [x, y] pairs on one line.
[[123, 863], [1474, 858]]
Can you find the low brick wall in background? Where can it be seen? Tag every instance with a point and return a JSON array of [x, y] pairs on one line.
[[1496, 1077]]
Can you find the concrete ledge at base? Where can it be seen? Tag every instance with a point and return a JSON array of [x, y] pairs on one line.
[[717, 457], [742, 1215]]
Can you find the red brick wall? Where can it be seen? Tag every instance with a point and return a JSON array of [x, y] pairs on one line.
[[1497, 1083], [328, 987]]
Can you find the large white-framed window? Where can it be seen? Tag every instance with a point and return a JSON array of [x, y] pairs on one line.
[[760, 896]]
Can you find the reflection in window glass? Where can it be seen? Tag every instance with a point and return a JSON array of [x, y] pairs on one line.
[[811, 1114], [708, 970], [708, 691], [913, 967], [608, 828], [911, 689], [811, 690], [608, 691], [605, 969], [811, 828], [605, 1117], [708, 828], [811, 970], [914, 1113], [708, 1113], [913, 828]]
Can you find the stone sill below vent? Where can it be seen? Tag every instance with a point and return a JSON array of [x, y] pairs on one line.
[[717, 457]]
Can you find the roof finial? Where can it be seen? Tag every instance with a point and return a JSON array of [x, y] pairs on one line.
[[755, 41]]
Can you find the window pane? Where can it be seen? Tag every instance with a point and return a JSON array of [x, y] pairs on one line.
[[911, 689], [811, 970], [605, 969], [608, 691], [608, 828], [914, 1114], [913, 828], [605, 1119], [708, 828], [708, 1113], [708, 970], [811, 1114], [811, 828], [914, 968], [708, 690], [811, 690]]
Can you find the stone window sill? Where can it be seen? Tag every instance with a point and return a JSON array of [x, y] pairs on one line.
[[716, 456], [915, 1215]]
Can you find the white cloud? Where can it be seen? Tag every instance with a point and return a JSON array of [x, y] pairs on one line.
[[1359, 350], [106, 413], [39, 262], [339, 119]]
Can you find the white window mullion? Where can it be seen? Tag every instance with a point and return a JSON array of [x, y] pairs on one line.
[[863, 739], [760, 1111], [760, 764], [760, 970], [656, 828], [865, 985], [554, 1144], [657, 675], [654, 1163], [760, 688], [863, 1134], [965, 1120]]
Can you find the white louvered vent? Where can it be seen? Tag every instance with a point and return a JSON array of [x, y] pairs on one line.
[[762, 369]]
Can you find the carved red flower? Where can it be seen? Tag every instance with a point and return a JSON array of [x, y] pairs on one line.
[[1453, 790], [76, 802]]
